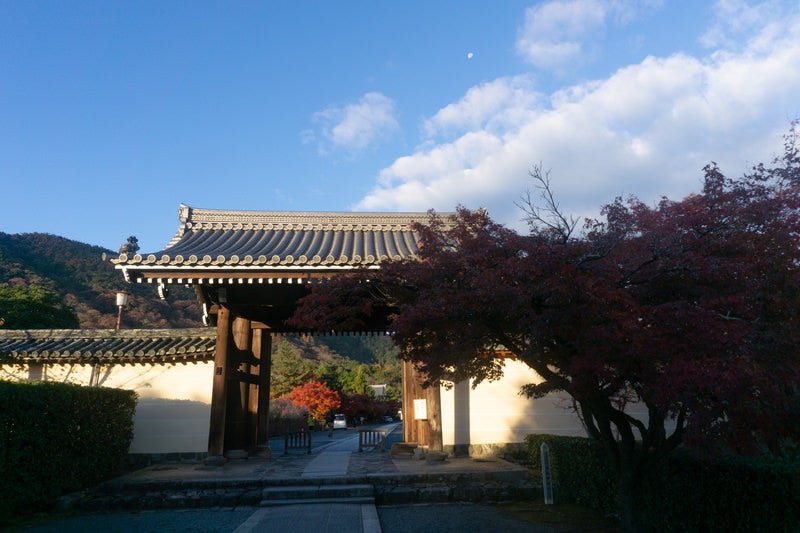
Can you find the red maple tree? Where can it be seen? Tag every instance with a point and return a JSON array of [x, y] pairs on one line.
[[316, 397], [687, 307]]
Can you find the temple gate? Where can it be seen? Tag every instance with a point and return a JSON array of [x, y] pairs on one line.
[[248, 269]]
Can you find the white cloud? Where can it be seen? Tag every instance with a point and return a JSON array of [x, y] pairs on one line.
[[355, 126], [558, 32], [553, 31], [495, 105], [648, 129], [736, 18]]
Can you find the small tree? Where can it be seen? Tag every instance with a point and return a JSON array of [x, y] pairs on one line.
[[289, 370], [316, 397]]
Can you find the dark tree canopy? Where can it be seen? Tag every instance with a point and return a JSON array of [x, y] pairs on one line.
[[688, 307], [33, 307], [80, 278]]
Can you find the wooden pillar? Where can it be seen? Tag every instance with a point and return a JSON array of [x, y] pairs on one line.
[[254, 371], [239, 383], [434, 397], [259, 391], [219, 393], [409, 420]]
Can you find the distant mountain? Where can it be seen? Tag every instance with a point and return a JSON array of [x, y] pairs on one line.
[[84, 281]]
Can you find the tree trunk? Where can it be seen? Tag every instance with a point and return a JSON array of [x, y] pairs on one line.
[[627, 491]]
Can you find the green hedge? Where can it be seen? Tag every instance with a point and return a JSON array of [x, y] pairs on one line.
[[57, 438], [686, 493], [579, 470]]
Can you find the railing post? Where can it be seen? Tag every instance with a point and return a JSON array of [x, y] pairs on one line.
[[371, 437], [297, 440]]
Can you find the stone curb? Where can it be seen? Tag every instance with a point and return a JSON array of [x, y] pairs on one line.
[[388, 488]]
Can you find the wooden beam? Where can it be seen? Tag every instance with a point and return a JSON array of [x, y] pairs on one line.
[[244, 376], [412, 389], [215, 275]]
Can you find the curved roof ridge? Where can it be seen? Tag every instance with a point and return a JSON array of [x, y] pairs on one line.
[[194, 215]]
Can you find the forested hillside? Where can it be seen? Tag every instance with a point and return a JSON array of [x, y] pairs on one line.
[[77, 274]]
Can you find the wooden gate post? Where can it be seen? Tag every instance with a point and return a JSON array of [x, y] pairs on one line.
[[216, 430]]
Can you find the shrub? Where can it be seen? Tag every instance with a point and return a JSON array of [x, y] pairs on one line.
[[57, 438], [687, 493], [286, 417]]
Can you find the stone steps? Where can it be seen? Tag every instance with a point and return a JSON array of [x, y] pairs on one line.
[[311, 494]]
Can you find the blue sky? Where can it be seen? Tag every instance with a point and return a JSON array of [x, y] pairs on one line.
[[114, 113]]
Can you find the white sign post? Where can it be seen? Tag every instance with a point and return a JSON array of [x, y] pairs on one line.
[[547, 480]]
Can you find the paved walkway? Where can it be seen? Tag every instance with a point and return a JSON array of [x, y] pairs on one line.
[[328, 464], [322, 517], [325, 517]]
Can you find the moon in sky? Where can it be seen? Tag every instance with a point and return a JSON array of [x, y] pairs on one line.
[[469, 55]]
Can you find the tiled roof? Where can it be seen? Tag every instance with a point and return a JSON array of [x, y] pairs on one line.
[[209, 240], [86, 346]]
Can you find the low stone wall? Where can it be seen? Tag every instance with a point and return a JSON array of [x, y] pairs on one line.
[[486, 487], [135, 461], [441, 488], [513, 451]]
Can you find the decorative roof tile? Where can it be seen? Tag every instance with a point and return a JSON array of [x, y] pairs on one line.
[[108, 346]]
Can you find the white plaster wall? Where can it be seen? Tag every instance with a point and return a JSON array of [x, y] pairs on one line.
[[170, 426], [495, 413], [174, 407]]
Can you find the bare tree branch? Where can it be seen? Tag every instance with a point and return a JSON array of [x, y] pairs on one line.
[[544, 213]]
